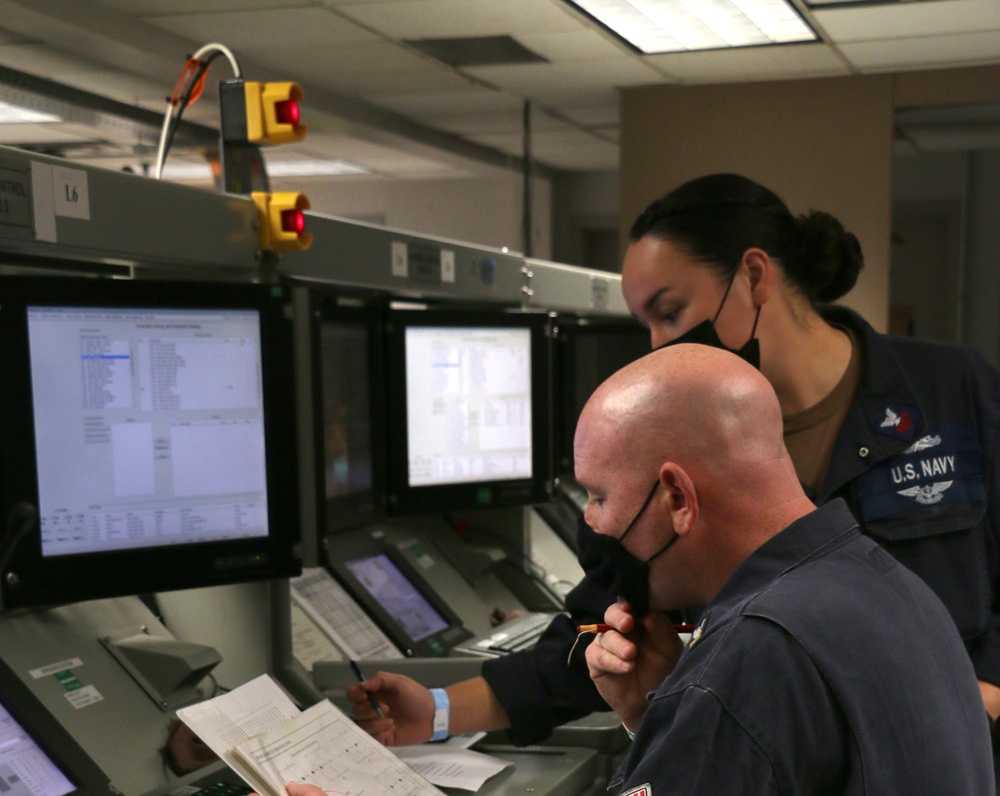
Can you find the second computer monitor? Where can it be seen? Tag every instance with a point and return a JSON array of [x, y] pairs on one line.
[[349, 411], [468, 409], [587, 353]]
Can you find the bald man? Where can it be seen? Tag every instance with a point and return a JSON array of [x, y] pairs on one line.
[[820, 665]]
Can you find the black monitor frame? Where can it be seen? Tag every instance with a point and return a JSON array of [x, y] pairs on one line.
[[27, 578], [340, 513], [343, 549], [573, 333], [404, 498]]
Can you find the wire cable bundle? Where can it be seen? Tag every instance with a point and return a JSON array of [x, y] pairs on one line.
[[189, 87]]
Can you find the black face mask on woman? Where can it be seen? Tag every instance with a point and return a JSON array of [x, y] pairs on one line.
[[612, 567], [704, 334]]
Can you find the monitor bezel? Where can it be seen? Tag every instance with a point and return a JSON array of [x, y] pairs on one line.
[[342, 513], [29, 579], [402, 498], [570, 330], [344, 548]]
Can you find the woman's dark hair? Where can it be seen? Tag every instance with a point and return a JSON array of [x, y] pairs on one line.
[[716, 218]]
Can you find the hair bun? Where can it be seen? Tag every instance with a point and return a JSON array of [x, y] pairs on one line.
[[834, 255]]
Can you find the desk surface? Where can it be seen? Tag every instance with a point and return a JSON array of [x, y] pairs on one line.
[[540, 771]]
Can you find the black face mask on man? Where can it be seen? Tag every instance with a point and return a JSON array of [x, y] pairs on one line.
[[704, 334], [609, 565]]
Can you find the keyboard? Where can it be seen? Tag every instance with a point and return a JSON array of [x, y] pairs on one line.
[[517, 634], [220, 788]]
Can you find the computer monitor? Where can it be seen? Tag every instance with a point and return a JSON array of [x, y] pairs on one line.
[[468, 409], [348, 367], [588, 351], [390, 590], [147, 437]]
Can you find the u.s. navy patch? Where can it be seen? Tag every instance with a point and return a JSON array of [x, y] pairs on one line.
[[898, 421], [642, 790], [941, 468]]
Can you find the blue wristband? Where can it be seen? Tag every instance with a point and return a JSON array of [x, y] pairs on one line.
[[442, 714]]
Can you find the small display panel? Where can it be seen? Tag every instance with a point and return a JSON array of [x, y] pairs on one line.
[[25, 769], [398, 596], [149, 426], [393, 593], [468, 404]]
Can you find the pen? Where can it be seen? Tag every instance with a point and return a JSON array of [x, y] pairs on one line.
[[602, 628], [371, 697]]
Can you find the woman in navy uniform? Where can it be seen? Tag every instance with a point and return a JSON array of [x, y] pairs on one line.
[[903, 430]]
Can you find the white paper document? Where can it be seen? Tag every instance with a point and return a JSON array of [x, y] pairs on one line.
[[451, 767], [262, 735]]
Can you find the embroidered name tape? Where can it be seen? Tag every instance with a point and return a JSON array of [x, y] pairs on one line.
[[942, 467]]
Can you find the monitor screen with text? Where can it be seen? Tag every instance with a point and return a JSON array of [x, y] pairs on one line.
[[149, 426], [468, 401], [469, 409]]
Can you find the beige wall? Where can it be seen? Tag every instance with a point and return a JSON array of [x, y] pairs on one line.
[[819, 144]]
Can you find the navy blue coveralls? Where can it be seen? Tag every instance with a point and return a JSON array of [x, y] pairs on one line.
[[811, 673], [916, 463]]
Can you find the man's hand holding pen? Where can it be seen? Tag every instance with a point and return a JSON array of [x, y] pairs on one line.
[[632, 658]]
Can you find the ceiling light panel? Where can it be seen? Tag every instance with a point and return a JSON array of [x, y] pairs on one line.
[[15, 114], [661, 26]]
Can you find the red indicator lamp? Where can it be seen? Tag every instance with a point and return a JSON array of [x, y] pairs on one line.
[[287, 112], [293, 220]]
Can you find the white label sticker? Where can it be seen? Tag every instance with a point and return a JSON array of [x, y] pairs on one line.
[[400, 260], [71, 193], [447, 265], [43, 201], [82, 697], [52, 668]]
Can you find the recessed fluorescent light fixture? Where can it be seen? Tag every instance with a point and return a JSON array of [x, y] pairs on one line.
[[276, 168], [15, 114], [187, 171], [313, 168], [665, 26]]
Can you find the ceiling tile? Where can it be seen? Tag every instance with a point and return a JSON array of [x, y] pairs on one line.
[[583, 44], [444, 18], [377, 86], [469, 100], [324, 64], [43, 61], [957, 50], [592, 115], [901, 20], [142, 8], [499, 123], [294, 27], [572, 83]]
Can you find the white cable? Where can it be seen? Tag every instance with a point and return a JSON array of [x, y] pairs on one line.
[[216, 47], [161, 152]]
